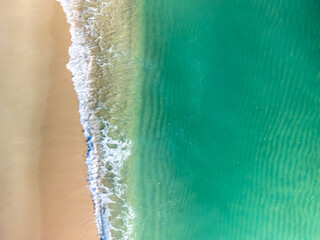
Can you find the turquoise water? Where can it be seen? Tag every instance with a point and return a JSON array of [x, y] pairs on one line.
[[202, 117], [227, 140]]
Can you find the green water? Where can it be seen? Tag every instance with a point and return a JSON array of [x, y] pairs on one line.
[[227, 143]]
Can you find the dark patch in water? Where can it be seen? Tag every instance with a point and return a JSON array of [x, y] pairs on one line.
[[90, 145]]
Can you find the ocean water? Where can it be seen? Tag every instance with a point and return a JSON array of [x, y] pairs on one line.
[[202, 117]]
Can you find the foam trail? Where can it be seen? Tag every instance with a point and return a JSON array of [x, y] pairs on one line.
[[95, 62]]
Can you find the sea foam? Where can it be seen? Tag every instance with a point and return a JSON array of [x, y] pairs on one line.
[[96, 57]]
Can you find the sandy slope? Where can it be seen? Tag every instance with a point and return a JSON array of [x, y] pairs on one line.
[[42, 173]]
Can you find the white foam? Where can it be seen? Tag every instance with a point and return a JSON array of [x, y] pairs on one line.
[[99, 153]]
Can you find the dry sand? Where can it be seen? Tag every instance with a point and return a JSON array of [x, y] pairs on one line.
[[43, 178]]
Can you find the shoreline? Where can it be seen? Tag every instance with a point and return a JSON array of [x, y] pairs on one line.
[[62, 132], [43, 175], [102, 66]]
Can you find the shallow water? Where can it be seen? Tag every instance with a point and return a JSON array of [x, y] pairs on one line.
[[217, 127]]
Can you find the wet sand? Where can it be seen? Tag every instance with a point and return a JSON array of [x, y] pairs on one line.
[[43, 177]]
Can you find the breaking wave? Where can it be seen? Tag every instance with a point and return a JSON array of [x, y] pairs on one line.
[[101, 62]]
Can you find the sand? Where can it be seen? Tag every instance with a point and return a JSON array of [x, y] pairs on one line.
[[43, 177]]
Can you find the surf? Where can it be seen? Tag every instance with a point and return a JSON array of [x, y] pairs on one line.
[[102, 65]]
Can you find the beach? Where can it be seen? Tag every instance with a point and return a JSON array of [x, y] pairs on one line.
[[43, 177], [201, 120]]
